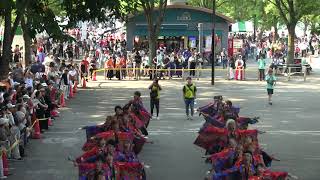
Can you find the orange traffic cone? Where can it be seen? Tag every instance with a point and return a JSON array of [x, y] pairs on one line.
[[75, 87], [50, 122], [94, 78], [62, 102], [54, 113], [5, 164], [71, 92], [84, 85], [36, 134]]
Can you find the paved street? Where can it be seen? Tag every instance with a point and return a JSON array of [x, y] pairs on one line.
[[292, 127]]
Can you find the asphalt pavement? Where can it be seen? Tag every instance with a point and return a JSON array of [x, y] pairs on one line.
[[292, 127]]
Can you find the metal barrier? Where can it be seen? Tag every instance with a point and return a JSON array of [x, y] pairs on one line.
[[199, 72]]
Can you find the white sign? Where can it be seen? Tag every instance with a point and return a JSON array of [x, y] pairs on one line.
[[208, 43], [237, 43], [186, 16]]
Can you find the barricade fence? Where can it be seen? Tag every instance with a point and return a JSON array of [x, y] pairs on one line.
[[250, 73]]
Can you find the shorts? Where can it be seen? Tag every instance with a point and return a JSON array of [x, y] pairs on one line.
[[270, 91]]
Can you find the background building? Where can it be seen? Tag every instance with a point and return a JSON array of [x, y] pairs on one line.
[[180, 28]]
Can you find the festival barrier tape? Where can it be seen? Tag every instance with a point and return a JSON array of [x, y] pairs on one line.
[[205, 69], [43, 119], [17, 140], [4, 150]]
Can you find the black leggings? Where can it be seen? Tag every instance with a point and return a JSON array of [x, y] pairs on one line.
[[155, 102], [261, 75], [193, 67]]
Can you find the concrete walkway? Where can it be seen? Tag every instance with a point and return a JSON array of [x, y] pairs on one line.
[[292, 127]]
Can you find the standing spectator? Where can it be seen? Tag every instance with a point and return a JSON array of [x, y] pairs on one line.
[[138, 61], [261, 67], [239, 69], [41, 55], [192, 64], [189, 95], [231, 68], [41, 109], [29, 80], [155, 89], [14, 131], [17, 73], [3, 143], [224, 58], [17, 54], [271, 82], [84, 66], [64, 83]]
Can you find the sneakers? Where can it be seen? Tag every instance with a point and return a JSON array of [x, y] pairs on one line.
[[16, 160], [158, 118], [3, 177], [270, 102], [189, 117]]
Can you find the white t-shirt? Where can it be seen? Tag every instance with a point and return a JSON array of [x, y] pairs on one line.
[[29, 82]]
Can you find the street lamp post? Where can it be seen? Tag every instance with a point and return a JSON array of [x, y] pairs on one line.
[[213, 42]]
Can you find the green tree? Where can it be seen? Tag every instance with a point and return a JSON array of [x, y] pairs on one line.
[[291, 11], [37, 16], [7, 9], [40, 16], [154, 24]]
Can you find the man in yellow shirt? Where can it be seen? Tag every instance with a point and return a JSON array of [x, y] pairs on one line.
[[189, 95]]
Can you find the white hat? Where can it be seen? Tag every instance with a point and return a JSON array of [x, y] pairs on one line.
[[44, 84], [26, 96], [9, 105], [3, 121]]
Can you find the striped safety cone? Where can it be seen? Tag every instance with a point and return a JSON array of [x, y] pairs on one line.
[[71, 95], [36, 134], [94, 78], [5, 164], [62, 101]]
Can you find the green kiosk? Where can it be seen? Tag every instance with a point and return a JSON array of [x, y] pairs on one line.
[[182, 27]]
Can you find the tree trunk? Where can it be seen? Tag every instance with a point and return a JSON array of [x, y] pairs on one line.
[[291, 37], [276, 34], [6, 52], [152, 45], [27, 43], [305, 28]]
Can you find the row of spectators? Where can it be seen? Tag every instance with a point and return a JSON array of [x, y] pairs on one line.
[[30, 97]]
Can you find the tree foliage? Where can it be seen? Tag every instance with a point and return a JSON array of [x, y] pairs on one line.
[[291, 11]]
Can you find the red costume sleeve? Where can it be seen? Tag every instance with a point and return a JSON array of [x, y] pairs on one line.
[[214, 130], [225, 154], [251, 132], [255, 178], [276, 175], [211, 135], [85, 167], [87, 154], [257, 158], [139, 123], [122, 136], [106, 135]]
